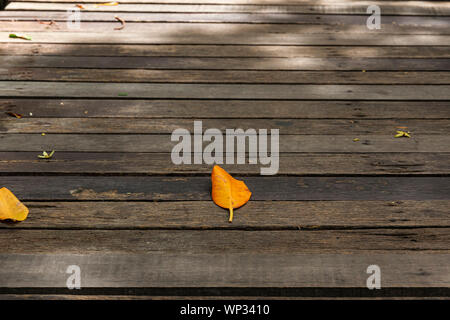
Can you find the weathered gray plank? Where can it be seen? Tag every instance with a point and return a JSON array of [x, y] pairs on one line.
[[162, 143], [225, 76], [250, 2], [275, 18], [215, 243], [235, 109], [88, 50], [167, 126], [232, 38], [274, 215], [219, 29], [290, 164], [187, 271], [223, 91], [312, 64], [32, 188], [401, 8]]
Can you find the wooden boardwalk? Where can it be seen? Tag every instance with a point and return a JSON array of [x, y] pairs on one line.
[[112, 202]]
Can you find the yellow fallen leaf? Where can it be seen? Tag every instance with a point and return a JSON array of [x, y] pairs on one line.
[[356, 139], [228, 192], [402, 134], [10, 207], [45, 155]]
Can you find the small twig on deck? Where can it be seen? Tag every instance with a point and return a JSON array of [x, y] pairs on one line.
[[121, 21]]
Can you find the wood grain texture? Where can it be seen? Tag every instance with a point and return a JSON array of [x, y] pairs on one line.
[[223, 91], [329, 64], [224, 76], [232, 38], [162, 143], [260, 215], [173, 188], [402, 8], [232, 109], [167, 126], [112, 201], [255, 51], [219, 29], [290, 164], [185, 243], [247, 18], [180, 273], [252, 2]]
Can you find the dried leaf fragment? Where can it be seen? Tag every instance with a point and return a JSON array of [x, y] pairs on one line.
[[49, 23], [14, 115], [15, 36], [106, 4], [80, 6], [10, 207], [45, 155], [121, 21], [228, 192]]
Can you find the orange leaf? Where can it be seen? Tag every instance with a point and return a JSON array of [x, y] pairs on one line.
[[228, 192], [10, 207]]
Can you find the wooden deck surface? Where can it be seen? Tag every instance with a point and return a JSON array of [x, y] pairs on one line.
[[112, 202]]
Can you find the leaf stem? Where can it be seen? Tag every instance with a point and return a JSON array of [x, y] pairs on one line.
[[231, 211]]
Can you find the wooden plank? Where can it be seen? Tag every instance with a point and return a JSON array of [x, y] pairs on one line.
[[162, 143], [274, 18], [167, 126], [290, 164], [89, 50], [223, 91], [224, 76], [209, 63], [391, 8], [218, 29], [237, 38], [227, 273], [184, 243], [252, 2], [261, 215], [233, 109], [165, 188]]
